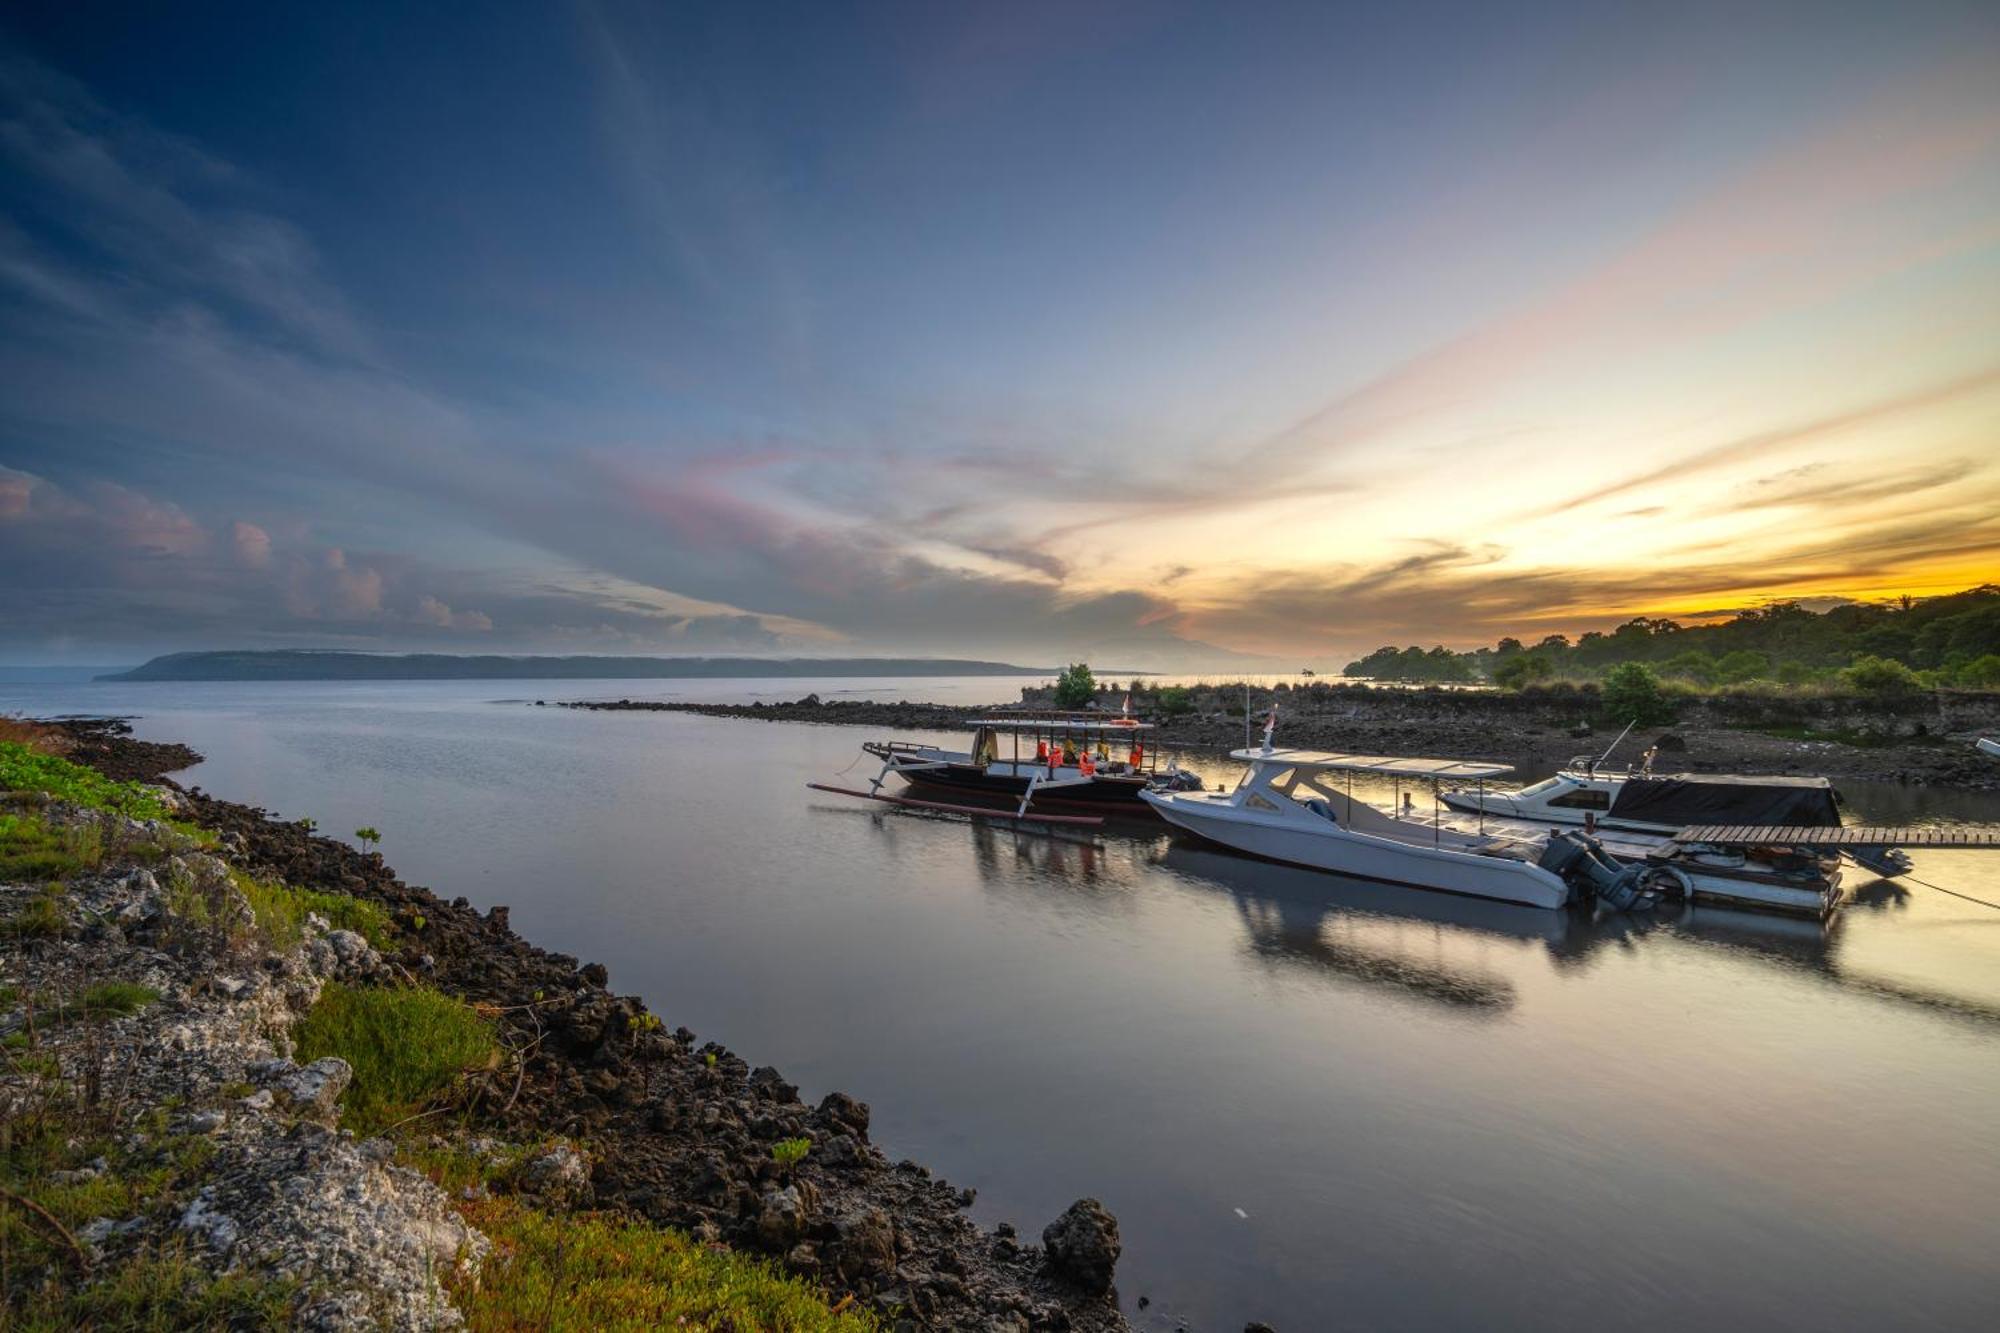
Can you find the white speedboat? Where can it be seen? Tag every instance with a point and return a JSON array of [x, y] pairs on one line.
[[1285, 808], [1989, 745]]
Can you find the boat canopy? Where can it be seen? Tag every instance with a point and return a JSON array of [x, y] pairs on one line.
[[1689, 798], [1387, 765], [1062, 724]]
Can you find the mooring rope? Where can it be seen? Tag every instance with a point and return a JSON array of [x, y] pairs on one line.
[[1953, 892]]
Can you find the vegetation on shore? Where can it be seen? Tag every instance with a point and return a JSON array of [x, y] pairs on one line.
[[1938, 642], [69, 1154], [592, 1271]]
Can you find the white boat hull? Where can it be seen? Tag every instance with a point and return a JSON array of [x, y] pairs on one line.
[[1989, 745], [1324, 845]]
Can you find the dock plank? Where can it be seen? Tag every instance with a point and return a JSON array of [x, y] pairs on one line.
[[1963, 836]]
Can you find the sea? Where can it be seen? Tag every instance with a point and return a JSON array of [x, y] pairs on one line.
[[1311, 1101]]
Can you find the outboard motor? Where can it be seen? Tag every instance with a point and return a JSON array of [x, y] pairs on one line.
[[1588, 868]]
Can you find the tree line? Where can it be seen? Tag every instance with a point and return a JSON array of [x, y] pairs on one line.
[[1952, 640]]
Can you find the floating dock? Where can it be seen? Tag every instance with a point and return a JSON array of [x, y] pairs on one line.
[[1773, 835]]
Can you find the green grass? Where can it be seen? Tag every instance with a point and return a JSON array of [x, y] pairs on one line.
[[281, 912], [32, 852], [42, 917], [164, 1291], [156, 1289], [408, 1047], [590, 1271], [23, 769], [116, 999]]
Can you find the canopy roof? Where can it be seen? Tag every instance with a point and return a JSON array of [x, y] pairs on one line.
[[1389, 765], [1061, 724]]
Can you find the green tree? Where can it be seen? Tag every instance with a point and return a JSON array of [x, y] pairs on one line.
[[1175, 701], [1632, 694], [1693, 665], [1742, 665], [369, 838], [1076, 687], [1522, 668]]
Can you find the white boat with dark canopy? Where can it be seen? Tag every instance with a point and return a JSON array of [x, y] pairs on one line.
[[1638, 812], [1641, 802], [1288, 808]]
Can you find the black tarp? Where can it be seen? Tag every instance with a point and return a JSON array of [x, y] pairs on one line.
[[1695, 799]]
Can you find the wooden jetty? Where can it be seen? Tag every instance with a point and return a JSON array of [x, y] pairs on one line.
[[1773, 835]]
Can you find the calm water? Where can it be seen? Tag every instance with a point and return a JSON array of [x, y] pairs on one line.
[[1308, 1100]]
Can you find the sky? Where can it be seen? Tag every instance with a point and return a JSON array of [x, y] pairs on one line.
[[1163, 335]]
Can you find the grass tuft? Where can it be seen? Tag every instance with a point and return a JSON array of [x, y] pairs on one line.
[[281, 912], [408, 1047], [41, 917], [116, 999], [591, 1271], [32, 851]]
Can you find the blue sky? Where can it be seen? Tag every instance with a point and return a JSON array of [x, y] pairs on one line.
[[1149, 331]]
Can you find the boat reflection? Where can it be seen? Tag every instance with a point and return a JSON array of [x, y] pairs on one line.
[[1436, 948]]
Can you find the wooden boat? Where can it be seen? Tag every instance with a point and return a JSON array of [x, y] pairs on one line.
[[1055, 762]]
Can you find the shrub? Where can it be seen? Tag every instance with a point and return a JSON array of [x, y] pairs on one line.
[[1880, 675], [788, 1153], [1175, 701], [1632, 694], [408, 1047], [590, 1271], [1981, 673], [1076, 687]]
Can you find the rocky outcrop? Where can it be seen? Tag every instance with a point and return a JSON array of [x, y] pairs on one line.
[[1083, 1245], [1921, 739], [202, 1068]]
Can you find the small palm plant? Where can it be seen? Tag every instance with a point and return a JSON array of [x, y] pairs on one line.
[[370, 838], [788, 1153]]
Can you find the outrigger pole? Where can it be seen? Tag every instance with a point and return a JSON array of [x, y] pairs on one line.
[[1026, 815]]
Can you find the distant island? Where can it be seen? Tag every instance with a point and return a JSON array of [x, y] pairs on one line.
[[297, 664]]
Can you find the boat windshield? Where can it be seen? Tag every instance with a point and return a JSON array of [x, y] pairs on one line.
[[1542, 788]]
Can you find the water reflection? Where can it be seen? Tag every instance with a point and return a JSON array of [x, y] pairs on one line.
[[1438, 949]]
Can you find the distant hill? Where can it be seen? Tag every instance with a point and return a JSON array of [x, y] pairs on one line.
[[51, 675], [309, 665]]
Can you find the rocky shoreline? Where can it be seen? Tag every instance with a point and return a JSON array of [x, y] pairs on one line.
[[1904, 743], [669, 1129]]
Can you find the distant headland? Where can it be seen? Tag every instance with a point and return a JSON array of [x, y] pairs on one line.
[[297, 664]]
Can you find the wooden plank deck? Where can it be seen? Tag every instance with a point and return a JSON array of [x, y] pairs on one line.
[[1962, 835]]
